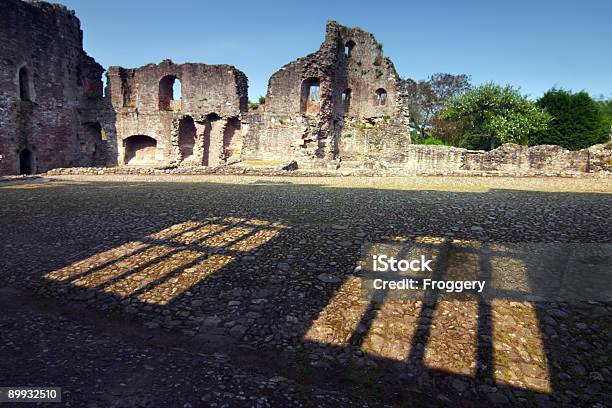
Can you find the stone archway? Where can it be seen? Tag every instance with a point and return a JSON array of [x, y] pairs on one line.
[[186, 138], [140, 150]]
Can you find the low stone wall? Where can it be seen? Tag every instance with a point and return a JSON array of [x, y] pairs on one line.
[[600, 158], [508, 158], [511, 157]]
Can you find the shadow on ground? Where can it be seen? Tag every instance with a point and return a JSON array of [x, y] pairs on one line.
[[269, 268]]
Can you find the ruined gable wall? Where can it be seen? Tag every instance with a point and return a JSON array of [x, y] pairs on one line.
[[370, 129], [212, 96], [315, 134], [45, 39]]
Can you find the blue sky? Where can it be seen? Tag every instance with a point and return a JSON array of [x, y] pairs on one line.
[[534, 44]]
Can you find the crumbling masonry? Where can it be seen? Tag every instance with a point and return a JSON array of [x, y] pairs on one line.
[[343, 102], [51, 109], [155, 127], [339, 107]]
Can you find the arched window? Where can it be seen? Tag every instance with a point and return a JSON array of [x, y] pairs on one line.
[[348, 47], [310, 95], [381, 96], [170, 93], [346, 98], [25, 93]]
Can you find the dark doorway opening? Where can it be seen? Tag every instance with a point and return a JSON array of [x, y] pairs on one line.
[[25, 162], [186, 137]]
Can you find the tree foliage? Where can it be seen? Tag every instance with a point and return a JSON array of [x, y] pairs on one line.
[[605, 105], [490, 115], [427, 98], [578, 121]]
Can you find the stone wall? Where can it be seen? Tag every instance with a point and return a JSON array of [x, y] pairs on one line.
[[508, 158], [356, 108], [201, 127], [341, 107], [46, 83], [511, 157]]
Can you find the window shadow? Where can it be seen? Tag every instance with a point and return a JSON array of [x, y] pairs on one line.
[[270, 267]]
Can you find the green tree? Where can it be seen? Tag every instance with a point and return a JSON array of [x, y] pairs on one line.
[[427, 98], [490, 115], [578, 120]]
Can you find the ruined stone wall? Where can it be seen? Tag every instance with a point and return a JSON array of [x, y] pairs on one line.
[[46, 79], [203, 127], [512, 157], [339, 107], [508, 158], [360, 110]]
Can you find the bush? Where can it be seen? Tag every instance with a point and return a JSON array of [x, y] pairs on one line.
[[433, 141]]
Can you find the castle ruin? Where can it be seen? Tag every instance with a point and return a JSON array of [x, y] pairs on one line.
[[339, 107], [51, 108], [155, 127], [343, 102]]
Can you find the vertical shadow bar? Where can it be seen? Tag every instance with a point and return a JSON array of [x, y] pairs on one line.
[[484, 353], [416, 356]]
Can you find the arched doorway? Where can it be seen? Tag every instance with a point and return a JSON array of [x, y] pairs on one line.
[[91, 144], [26, 162], [186, 137], [140, 150], [213, 132]]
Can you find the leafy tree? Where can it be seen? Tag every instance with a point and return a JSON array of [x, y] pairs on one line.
[[446, 130], [490, 114], [578, 120], [427, 98]]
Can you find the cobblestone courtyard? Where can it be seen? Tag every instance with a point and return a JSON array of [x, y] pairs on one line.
[[242, 291]]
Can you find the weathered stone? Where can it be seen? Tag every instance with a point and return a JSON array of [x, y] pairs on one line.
[[51, 104], [333, 104], [157, 128], [339, 108]]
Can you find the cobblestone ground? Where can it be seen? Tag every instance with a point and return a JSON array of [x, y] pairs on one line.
[[243, 291]]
